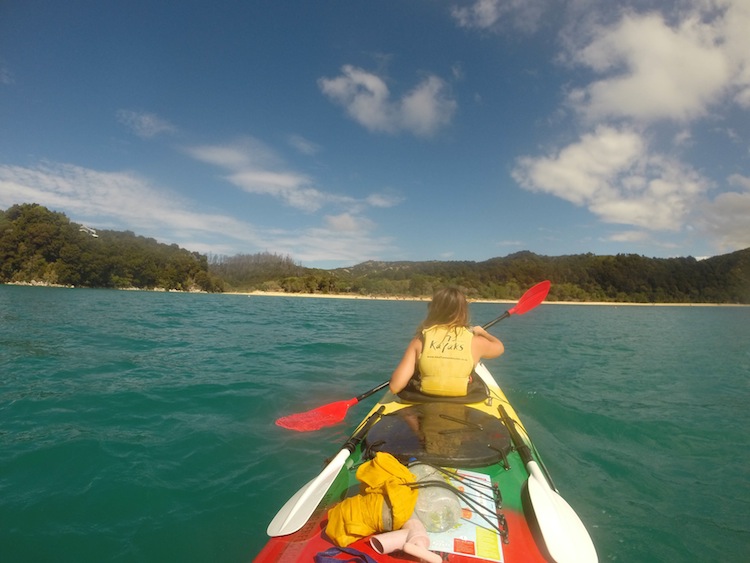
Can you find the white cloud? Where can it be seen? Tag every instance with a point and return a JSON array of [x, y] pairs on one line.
[[629, 236], [727, 217], [736, 43], [739, 181], [683, 138], [303, 145], [524, 15], [481, 14], [330, 244], [368, 101], [581, 171], [145, 125], [293, 189], [653, 66], [365, 97], [426, 108], [652, 71], [512, 243], [246, 153], [383, 200], [614, 174], [348, 222], [254, 168], [5, 75]]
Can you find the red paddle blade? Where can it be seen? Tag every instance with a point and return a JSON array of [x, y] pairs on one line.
[[317, 418], [533, 297]]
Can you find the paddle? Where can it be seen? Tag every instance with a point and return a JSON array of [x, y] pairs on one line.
[[327, 415], [533, 297], [565, 536], [333, 413], [303, 503]]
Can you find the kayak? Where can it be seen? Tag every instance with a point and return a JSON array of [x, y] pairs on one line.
[[500, 503]]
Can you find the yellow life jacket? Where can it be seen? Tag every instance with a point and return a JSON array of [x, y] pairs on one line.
[[446, 361], [384, 488]]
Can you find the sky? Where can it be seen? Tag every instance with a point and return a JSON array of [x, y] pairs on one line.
[[336, 132]]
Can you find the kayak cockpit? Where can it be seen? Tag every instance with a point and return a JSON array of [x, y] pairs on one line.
[[477, 392], [445, 434]]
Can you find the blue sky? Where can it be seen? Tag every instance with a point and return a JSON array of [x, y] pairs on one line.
[[337, 132]]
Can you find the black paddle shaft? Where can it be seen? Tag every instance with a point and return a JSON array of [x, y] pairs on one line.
[[372, 391], [358, 436], [523, 450], [521, 447], [505, 315]]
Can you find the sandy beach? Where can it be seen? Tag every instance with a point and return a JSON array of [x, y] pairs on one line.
[[406, 298], [397, 298]]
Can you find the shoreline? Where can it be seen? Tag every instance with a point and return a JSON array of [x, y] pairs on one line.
[[508, 301], [258, 293]]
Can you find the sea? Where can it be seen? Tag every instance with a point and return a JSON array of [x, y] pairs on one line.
[[139, 426]]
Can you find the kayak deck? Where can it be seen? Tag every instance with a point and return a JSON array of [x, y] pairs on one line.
[[474, 445]]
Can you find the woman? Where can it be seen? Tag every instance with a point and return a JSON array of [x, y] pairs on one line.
[[444, 351]]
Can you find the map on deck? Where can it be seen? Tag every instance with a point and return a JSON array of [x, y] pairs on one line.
[[473, 535]]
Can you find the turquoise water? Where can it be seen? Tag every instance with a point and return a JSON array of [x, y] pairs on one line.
[[138, 426]]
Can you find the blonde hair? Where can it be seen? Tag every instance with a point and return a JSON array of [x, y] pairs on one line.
[[448, 307]]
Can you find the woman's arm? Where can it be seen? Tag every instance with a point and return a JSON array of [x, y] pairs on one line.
[[405, 369], [485, 345]]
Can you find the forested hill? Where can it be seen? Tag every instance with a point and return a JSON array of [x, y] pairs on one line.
[[39, 245], [583, 277]]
